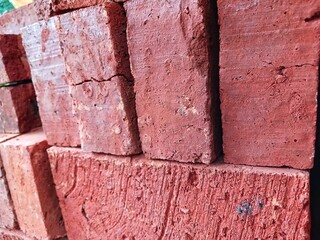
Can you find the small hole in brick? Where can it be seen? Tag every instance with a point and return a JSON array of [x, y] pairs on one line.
[[295, 140]]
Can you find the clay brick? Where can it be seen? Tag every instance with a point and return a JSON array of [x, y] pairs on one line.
[[13, 62], [7, 215], [30, 182], [13, 21], [18, 109], [41, 42], [106, 116], [269, 62], [108, 197], [97, 64], [169, 54], [6, 234]]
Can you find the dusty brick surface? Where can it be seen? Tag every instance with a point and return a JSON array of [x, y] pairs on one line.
[[13, 61], [108, 197], [41, 42], [97, 64], [269, 79], [7, 215], [13, 21], [30, 182], [18, 109], [169, 54], [6, 234], [106, 116]]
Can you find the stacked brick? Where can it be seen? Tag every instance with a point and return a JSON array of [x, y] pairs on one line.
[[29, 204], [115, 79]]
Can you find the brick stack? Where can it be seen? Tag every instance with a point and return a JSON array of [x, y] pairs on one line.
[[115, 79], [29, 204]]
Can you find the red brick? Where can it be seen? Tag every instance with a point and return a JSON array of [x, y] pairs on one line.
[[108, 197], [7, 215], [44, 53], [169, 54], [13, 21], [18, 109], [97, 64], [13, 64], [6, 234], [106, 116], [30, 182], [269, 80]]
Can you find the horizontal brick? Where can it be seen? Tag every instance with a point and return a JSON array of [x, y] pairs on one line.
[[30, 182], [269, 76], [12, 22], [41, 42], [7, 215], [6, 234], [49, 8], [18, 109], [173, 82], [97, 64], [108, 197]]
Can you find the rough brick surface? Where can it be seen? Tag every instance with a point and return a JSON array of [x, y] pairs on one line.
[[30, 182], [169, 54], [44, 53], [269, 79], [107, 197], [7, 215], [13, 61], [18, 109], [6, 234], [97, 64], [13, 21], [106, 116]]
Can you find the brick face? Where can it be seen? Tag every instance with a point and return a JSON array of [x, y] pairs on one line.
[[269, 74], [108, 197], [12, 22], [98, 71], [7, 215], [30, 182], [44, 52], [169, 54]]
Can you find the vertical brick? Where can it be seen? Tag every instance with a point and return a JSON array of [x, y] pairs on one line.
[[18, 107], [13, 64], [97, 64], [269, 62], [13, 21], [42, 45], [7, 215], [30, 182], [169, 54], [108, 197]]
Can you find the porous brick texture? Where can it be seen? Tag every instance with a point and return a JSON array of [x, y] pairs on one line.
[[169, 55], [31, 186], [7, 215], [108, 197], [269, 63], [44, 54], [18, 109], [98, 70], [12, 22], [13, 61]]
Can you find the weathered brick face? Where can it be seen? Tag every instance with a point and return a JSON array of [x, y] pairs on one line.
[[168, 46], [44, 52], [98, 71], [30, 182], [269, 63], [7, 215], [108, 197]]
